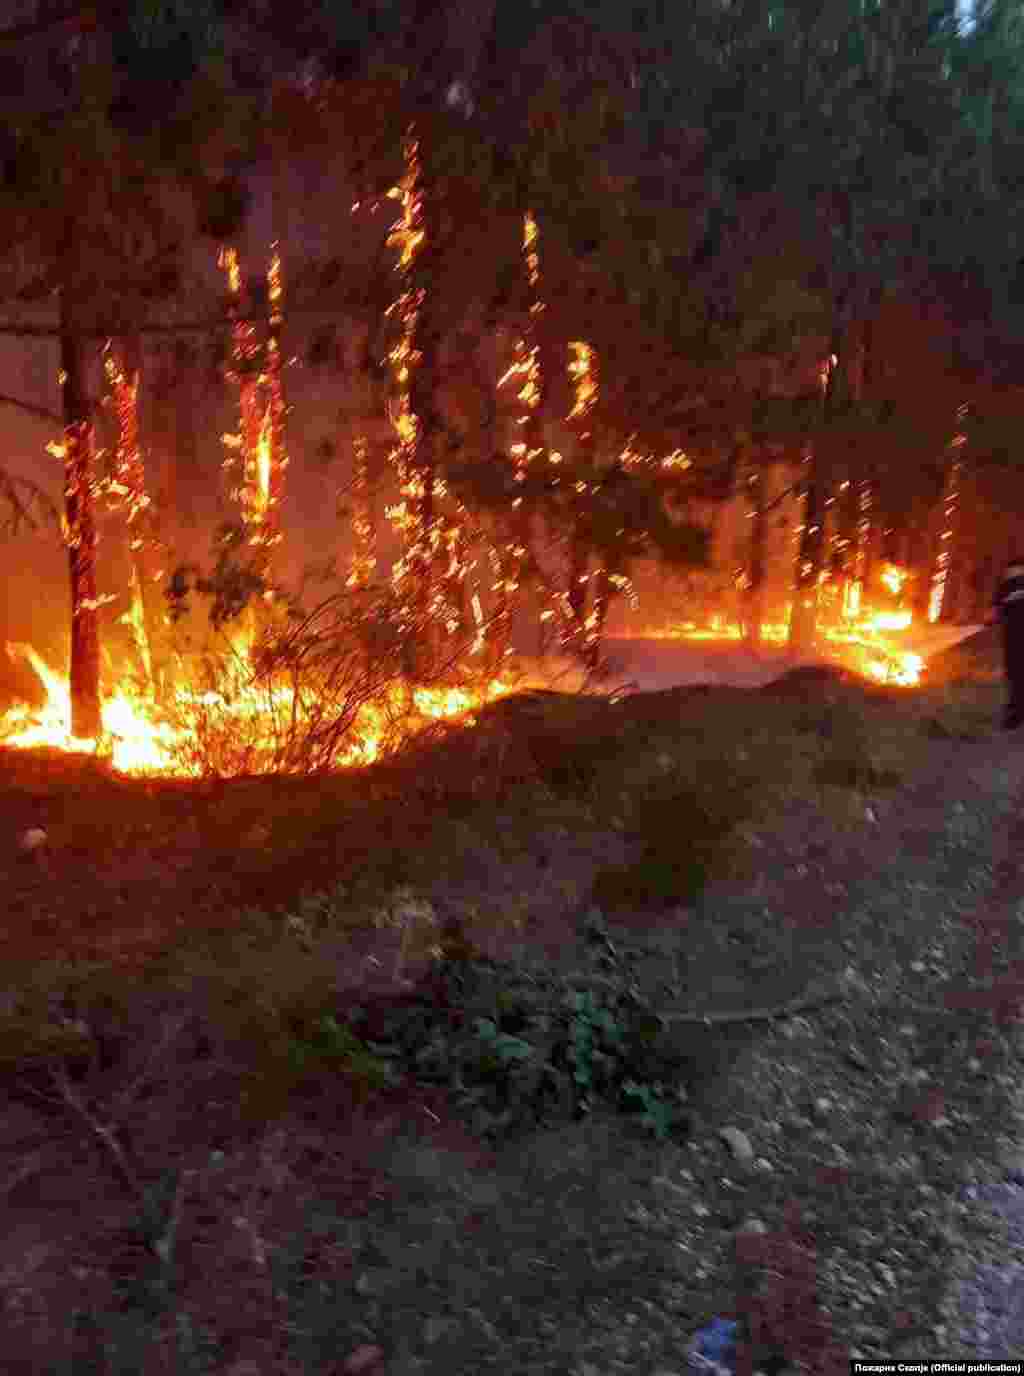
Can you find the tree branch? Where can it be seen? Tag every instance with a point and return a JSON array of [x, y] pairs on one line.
[[39, 411], [21, 513]]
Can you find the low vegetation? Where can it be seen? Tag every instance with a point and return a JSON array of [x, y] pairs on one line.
[[517, 1045]]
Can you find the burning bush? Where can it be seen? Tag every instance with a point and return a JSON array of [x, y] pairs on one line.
[[307, 692], [261, 686]]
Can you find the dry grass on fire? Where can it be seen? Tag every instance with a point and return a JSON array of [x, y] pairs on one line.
[[235, 901]]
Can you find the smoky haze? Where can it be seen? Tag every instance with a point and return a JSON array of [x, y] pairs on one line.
[[186, 406]]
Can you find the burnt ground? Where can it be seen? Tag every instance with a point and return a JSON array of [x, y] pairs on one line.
[[346, 1227]]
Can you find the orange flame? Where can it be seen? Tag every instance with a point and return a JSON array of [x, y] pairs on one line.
[[894, 578], [861, 639], [141, 743]]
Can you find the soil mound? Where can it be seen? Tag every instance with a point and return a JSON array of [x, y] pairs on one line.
[[809, 680], [978, 656]]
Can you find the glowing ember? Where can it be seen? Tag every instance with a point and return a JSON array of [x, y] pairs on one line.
[[139, 742], [860, 640], [890, 621], [868, 654], [893, 578]]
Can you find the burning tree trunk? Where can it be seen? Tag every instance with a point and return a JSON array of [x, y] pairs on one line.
[[604, 588], [834, 555], [260, 441], [753, 585], [548, 377], [970, 544], [145, 615], [452, 46], [244, 373], [576, 590], [859, 501], [364, 551], [803, 622], [417, 422], [942, 567], [583, 628], [528, 449], [540, 367], [807, 579], [76, 449], [277, 454], [861, 496]]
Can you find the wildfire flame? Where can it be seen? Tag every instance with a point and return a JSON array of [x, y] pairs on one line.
[[143, 741], [861, 636], [143, 738], [893, 578], [140, 743], [873, 656], [858, 639]]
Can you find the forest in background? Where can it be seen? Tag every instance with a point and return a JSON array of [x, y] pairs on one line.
[[616, 272]]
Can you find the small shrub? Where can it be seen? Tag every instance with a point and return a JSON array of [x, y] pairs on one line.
[[511, 1058], [325, 681], [658, 1115], [322, 1044], [305, 1047]]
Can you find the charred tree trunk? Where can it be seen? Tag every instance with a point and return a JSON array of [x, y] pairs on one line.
[[80, 526]]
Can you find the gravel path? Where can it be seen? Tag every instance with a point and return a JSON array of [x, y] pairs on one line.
[[958, 830], [990, 1297], [987, 831], [894, 904], [961, 830]]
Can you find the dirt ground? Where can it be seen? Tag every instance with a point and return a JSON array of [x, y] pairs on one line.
[[378, 1234]]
